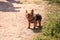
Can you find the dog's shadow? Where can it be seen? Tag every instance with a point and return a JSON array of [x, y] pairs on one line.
[[37, 30]]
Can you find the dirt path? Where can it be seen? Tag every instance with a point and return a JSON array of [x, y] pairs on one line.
[[13, 25]]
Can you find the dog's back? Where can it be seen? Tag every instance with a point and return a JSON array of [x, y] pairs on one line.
[[38, 17]]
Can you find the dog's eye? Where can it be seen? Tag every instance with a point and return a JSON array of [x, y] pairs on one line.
[[27, 15]]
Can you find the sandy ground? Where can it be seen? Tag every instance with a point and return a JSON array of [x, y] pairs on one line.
[[13, 25]]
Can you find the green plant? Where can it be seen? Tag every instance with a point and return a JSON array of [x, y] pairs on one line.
[[54, 1], [51, 30]]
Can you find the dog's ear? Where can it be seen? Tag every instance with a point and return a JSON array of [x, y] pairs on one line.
[[26, 11], [32, 11]]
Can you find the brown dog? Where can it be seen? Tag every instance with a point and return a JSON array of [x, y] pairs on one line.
[[33, 19]]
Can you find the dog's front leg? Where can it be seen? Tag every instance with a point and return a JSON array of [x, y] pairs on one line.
[[29, 25]]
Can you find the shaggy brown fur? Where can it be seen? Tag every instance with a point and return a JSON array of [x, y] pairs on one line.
[[33, 19]]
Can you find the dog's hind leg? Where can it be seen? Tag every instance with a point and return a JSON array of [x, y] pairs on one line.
[[35, 24], [39, 23]]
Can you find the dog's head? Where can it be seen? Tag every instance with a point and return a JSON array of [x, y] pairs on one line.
[[29, 15]]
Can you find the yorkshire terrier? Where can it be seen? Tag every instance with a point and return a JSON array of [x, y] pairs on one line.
[[32, 18]]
